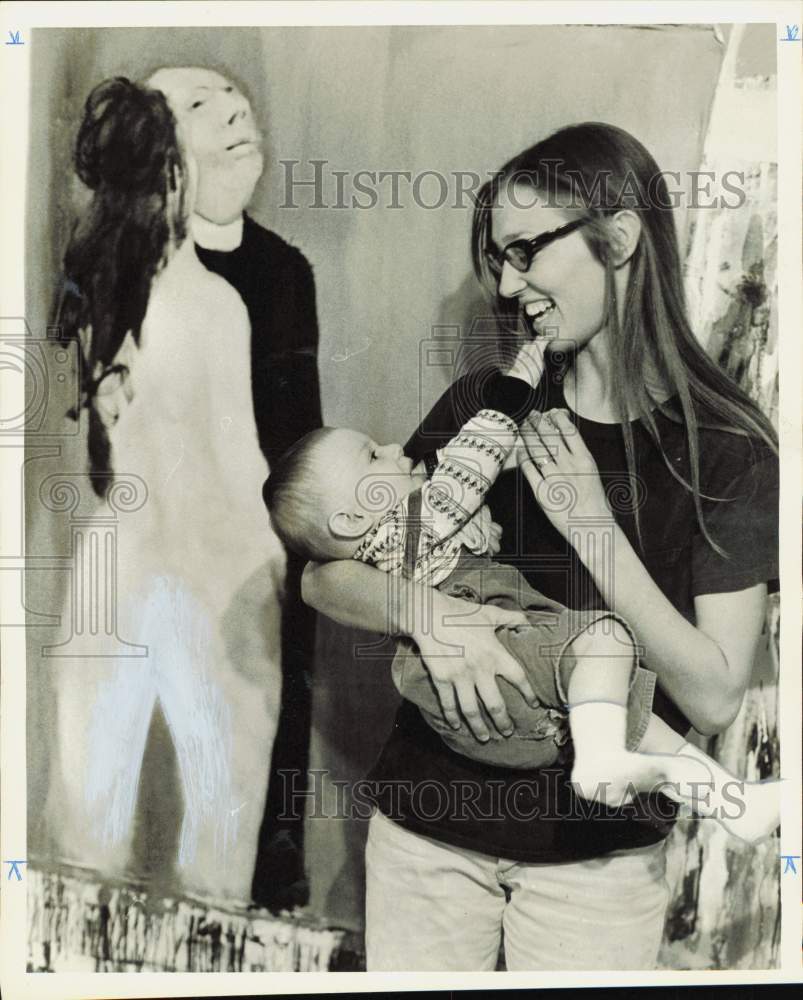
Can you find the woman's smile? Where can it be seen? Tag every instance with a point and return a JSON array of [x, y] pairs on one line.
[[540, 314], [562, 294]]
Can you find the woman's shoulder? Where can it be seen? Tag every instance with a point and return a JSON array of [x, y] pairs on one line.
[[724, 451], [738, 463]]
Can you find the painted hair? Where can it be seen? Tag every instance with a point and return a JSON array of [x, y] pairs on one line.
[[127, 153], [595, 170]]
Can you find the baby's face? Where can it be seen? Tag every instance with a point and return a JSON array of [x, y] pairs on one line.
[[365, 475]]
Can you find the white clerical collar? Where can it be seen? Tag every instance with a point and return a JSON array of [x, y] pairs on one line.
[[212, 236]]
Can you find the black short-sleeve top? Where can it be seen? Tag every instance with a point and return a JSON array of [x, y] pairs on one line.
[[523, 815]]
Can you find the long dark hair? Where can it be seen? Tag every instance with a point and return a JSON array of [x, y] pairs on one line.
[[596, 170], [127, 153]]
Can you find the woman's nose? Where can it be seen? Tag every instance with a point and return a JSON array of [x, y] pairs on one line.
[[237, 107], [511, 281]]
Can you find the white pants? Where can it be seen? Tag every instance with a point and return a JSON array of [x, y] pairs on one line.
[[434, 907]]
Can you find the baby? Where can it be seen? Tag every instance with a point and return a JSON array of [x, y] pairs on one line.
[[338, 495]]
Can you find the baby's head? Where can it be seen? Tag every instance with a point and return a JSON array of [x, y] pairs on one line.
[[332, 487]]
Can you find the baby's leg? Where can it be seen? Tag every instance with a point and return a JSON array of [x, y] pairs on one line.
[[597, 669], [749, 810], [660, 738]]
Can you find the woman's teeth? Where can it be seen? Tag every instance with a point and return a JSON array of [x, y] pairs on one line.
[[538, 310]]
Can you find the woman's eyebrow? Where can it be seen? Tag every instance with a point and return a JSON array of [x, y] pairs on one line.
[[525, 234], [509, 237]]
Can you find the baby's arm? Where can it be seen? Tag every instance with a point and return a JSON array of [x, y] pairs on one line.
[[462, 471], [469, 464]]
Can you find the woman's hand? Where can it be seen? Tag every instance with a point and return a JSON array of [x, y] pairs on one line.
[[561, 471], [464, 658], [457, 639]]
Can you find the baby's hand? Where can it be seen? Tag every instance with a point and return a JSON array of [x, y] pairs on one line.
[[494, 538], [529, 363], [482, 534]]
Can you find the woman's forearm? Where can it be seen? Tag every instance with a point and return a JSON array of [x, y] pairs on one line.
[[362, 596], [463, 662], [691, 665]]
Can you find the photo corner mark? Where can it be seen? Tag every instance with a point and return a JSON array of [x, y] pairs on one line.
[[14, 870]]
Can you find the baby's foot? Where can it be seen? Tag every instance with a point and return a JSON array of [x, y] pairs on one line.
[[613, 777], [749, 810], [690, 781]]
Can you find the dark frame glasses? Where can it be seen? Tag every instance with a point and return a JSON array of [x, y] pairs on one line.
[[521, 253]]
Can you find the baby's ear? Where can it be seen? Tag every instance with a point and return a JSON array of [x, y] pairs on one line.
[[349, 523]]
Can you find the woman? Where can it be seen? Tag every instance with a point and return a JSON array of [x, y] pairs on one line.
[[166, 388], [654, 491]]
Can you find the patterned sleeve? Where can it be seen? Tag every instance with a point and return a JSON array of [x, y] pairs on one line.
[[467, 468], [483, 389], [460, 474], [384, 545]]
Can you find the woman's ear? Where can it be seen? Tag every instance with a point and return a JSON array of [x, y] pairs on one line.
[[625, 235], [349, 523]]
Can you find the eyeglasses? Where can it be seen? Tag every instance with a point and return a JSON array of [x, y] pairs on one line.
[[521, 253]]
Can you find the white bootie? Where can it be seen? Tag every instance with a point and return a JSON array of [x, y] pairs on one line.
[[749, 810], [604, 771]]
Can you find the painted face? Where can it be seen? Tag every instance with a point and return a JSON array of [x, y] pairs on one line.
[[217, 125], [366, 475], [562, 295]]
